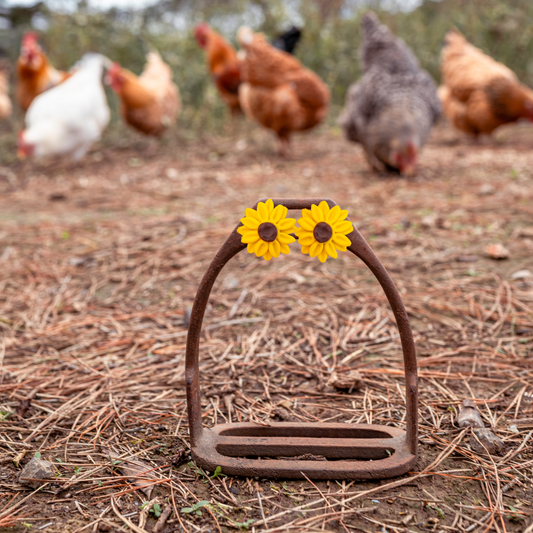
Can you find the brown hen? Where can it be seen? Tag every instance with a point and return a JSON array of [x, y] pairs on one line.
[[224, 65], [150, 102], [478, 93], [277, 91], [34, 72]]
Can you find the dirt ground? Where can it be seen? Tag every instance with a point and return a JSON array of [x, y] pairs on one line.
[[100, 263]]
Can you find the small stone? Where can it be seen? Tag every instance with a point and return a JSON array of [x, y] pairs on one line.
[[187, 316], [171, 173], [36, 470], [469, 416], [407, 519], [483, 440], [497, 251], [522, 274], [514, 429], [234, 490], [241, 145], [57, 197], [429, 221], [405, 223], [486, 190], [526, 232], [349, 381], [466, 258], [287, 404], [443, 223]]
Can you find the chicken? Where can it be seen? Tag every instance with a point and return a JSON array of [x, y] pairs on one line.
[[393, 107], [478, 93], [5, 102], [224, 65], [69, 118], [277, 91], [149, 102], [34, 72]]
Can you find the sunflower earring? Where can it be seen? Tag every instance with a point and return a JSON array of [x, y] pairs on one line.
[[267, 231], [323, 231]]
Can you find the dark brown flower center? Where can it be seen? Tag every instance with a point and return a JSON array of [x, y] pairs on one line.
[[323, 232], [267, 231]]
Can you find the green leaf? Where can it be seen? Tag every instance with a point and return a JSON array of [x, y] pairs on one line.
[[37, 455], [218, 473], [194, 508], [244, 525]]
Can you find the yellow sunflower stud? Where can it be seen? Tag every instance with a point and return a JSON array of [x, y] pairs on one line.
[[323, 231], [267, 231]]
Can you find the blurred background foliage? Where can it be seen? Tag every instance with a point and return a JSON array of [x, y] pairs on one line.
[[331, 36]]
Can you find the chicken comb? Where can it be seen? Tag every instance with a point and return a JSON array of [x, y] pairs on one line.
[[200, 33], [29, 38]]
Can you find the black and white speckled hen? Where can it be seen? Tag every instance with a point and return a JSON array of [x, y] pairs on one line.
[[391, 109]]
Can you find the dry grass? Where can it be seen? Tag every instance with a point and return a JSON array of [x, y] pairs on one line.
[[99, 264]]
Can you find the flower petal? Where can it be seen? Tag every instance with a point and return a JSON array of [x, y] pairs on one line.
[[279, 212], [262, 211], [306, 213], [242, 230], [261, 248], [318, 215], [322, 256], [315, 249], [267, 257], [251, 223], [334, 215], [274, 248], [324, 207], [250, 237], [344, 227], [269, 205], [305, 249], [284, 248], [307, 224], [286, 224], [252, 246], [307, 240], [251, 213], [301, 232], [341, 240], [284, 238], [330, 249]]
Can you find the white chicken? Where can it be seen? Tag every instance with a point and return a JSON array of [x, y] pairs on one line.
[[66, 120]]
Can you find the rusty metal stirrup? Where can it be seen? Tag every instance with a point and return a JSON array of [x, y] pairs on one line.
[[353, 451]]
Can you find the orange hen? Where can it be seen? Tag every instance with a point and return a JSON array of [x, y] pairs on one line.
[[478, 93], [34, 72], [149, 102], [223, 63], [277, 91]]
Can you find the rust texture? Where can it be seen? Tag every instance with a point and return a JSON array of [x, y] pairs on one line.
[[347, 451]]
